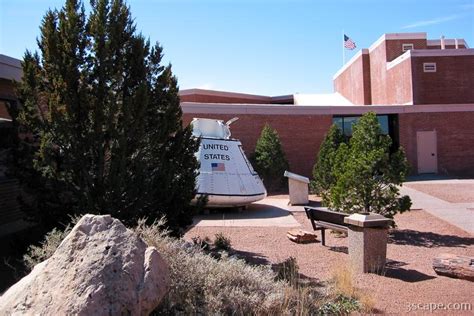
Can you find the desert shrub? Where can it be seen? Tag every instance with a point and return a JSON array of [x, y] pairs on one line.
[[201, 284], [221, 242], [38, 253], [203, 243], [346, 297], [269, 159], [288, 271]]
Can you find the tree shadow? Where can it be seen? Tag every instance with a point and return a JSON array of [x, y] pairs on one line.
[[428, 239], [252, 258]]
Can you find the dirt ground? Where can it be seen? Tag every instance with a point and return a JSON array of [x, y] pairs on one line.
[[454, 192], [408, 279]]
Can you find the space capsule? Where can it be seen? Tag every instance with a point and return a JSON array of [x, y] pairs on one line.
[[226, 176]]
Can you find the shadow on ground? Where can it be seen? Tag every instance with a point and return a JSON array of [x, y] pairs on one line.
[[406, 275], [251, 257], [428, 239]]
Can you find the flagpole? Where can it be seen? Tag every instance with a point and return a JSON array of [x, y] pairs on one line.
[[343, 51]]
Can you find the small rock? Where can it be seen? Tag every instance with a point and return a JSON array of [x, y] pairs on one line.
[[83, 279], [454, 266], [301, 236]]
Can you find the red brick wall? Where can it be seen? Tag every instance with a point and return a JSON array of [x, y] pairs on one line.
[[399, 84], [221, 99], [394, 47], [301, 135], [354, 82], [3, 111], [453, 81], [378, 72], [7, 91], [455, 139]]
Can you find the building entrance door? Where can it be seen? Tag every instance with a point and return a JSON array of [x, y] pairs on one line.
[[427, 152]]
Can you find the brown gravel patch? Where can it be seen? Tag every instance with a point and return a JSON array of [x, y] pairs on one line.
[[410, 278], [450, 192]]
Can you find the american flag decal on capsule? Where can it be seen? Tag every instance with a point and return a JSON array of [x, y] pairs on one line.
[[218, 166]]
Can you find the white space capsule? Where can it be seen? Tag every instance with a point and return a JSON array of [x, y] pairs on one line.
[[226, 176]]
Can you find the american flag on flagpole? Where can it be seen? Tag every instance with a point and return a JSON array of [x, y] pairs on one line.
[[348, 43]]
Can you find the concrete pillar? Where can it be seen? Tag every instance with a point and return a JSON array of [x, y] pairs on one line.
[[298, 188], [367, 234]]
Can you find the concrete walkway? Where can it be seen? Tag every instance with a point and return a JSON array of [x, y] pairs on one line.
[[269, 212], [457, 214]]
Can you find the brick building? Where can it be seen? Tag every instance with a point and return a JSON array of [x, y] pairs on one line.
[[422, 91]]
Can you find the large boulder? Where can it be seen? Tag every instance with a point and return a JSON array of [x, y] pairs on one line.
[[100, 268]]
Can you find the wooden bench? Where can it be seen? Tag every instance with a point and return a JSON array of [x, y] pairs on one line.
[[321, 219]]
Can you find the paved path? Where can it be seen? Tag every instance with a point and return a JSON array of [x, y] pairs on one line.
[[266, 213], [457, 214]]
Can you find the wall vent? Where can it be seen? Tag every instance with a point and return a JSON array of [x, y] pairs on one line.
[[406, 47], [429, 67]]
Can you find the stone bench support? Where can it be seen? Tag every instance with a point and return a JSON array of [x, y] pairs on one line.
[[368, 235], [298, 188]]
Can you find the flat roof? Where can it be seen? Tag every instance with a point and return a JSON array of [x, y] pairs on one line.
[[280, 109], [10, 68]]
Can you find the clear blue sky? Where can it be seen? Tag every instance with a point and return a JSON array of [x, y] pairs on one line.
[[260, 46]]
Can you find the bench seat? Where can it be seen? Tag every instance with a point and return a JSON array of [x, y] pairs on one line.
[[322, 218]]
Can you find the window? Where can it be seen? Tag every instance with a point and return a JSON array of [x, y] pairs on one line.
[[429, 67], [345, 123], [406, 47]]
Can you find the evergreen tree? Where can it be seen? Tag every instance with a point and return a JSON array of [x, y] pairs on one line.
[[269, 159], [367, 175], [323, 172], [101, 121]]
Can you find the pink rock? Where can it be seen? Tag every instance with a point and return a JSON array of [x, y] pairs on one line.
[[100, 268]]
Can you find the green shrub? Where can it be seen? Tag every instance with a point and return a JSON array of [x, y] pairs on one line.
[[269, 159], [367, 174], [362, 175], [323, 172], [222, 242]]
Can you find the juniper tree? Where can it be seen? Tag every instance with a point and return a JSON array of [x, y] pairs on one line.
[[323, 172], [269, 158], [367, 174], [102, 120]]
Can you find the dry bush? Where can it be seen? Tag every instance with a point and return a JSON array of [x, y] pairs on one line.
[[343, 286], [221, 242], [37, 254], [201, 284]]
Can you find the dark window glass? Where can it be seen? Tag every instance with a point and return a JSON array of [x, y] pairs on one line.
[[346, 123], [338, 121], [383, 121]]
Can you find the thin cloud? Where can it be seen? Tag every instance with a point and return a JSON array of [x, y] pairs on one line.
[[467, 6], [432, 21]]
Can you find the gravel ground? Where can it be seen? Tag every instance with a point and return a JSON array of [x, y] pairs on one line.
[[453, 192], [409, 279]]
